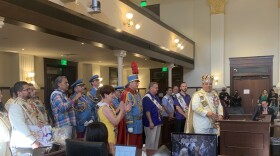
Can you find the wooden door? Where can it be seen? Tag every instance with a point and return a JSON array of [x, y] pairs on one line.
[[250, 88]]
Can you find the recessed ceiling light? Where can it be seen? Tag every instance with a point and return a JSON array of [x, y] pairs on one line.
[[137, 26], [22, 49], [176, 40], [182, 47], [82, 43]]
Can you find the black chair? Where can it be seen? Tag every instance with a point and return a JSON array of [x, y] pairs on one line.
[[84, 148]]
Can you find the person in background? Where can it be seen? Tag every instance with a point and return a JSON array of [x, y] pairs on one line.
[[168, 117], [225, 98], [152, 119], [95, 83], [107, 115], [35, 102], [263, 96], [12, 99], [175, 90], [265, 110], [22, 115], [117, 99], [181, 102], [83, 109], [273, 101], [97, 132], [62, 107], [236, 99], [5, 129], [205, 109]]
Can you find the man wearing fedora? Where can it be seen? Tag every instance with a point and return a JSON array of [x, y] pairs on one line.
[[84, 109], [133, 118]]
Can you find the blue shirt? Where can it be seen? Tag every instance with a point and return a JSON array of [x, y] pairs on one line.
[[150, 106], [187, 99], [168, 102]]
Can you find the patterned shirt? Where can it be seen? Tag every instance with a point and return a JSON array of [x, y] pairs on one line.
[[62, 109]]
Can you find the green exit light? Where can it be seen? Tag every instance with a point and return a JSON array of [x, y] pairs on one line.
[[63, 62], [143, 3], [164, 69]]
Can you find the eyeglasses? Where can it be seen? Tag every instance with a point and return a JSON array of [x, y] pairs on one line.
[[28, 89]]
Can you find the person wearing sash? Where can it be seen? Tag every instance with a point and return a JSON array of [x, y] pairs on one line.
[[62, 107], [37, 105], [21, 116], [130, 129], [84, 109], [107, 114], [181, 102], [168, 117], [152, 119], [5, 129], [205, 109]]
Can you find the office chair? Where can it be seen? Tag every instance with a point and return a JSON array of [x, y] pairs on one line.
[[84, 148]]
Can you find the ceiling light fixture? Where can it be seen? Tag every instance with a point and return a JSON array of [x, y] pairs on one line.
[[128, 22], [176, 40], [137, 26]]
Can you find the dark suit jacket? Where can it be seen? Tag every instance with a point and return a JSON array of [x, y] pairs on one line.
[[270, 111]]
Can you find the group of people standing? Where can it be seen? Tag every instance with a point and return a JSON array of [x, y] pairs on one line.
[[125, 114]]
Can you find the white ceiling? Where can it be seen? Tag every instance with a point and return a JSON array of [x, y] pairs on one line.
[[15, 39]]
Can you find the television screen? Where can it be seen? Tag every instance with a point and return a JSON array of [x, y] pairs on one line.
[[184, 144]]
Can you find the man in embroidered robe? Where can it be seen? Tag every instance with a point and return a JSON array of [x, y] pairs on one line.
[[37, 105], [133, 118], [205, 109], [62, 107], [21, 115], [181, 102], [168, 117], [152, 119], [84, 109]]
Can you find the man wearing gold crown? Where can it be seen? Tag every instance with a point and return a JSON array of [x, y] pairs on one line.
[[205, 109]]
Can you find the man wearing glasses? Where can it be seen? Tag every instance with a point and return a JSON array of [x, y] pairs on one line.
[[21, 115]]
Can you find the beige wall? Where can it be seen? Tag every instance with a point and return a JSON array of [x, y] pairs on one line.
[[113, 13], [251, 29], [9, 69]]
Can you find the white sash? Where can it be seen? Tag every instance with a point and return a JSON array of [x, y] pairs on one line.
[[100, 104], [181, 101], [154, 101]]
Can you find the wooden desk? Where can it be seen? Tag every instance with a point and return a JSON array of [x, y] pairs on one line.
[[241, 136]]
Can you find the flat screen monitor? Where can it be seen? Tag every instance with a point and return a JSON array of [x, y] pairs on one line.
[[184, 144], [121, 150]]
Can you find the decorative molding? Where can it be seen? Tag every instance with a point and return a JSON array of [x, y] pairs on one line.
[[217, 6]]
